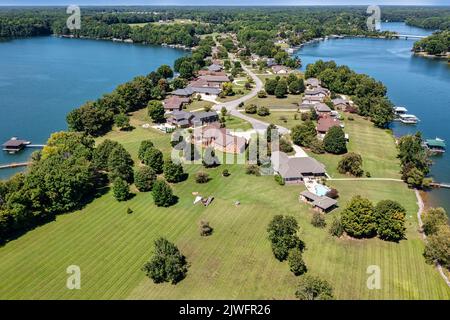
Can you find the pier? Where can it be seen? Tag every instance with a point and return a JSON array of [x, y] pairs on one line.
[[14, 165], [440, 185], [408, 36]]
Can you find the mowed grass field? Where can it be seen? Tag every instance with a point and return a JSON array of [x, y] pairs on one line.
[[236, 262]]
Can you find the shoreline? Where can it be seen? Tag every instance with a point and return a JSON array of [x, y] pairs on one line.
[[431, 56]]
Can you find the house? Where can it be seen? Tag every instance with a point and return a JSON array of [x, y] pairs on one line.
[[340, 104], [219, 139], [183, 119], [321, 204], [270, 62], [278, 69], [213, 81], [186, 92], [295, 169], [312, 82], [322, 109], [317, 92], [211, 73], [326, 123], [312, 100], [175, 103], [215, 67]]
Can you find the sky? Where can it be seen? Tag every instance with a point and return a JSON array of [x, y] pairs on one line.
[[228, 2]]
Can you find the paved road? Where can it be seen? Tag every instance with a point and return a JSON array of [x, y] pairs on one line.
[[232, 105]]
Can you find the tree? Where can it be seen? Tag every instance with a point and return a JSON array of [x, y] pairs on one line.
[[122, 121], [262, 94], [281, 89], [165, 71], [144, 178], [296, 263], [382, 113], [437, 248], [358, 218], [120, 164], [351, 163], [210, 159], [156, 111], [154, 158], [271, 132], [334, 141], [313, 288], [263, 111], [336, 228], [143, 148], [414, 177], [252, 169], [390, 220], [121, 190], [202, 177], [162, 194], [304, 134], [432, 219], [270, 86], [285, 145], [223, 111], [227, 89], [173, 172], [102, 152], [186, 70], [297, 87], [318, 220], [251, 109], [167, 263], [282, 232]]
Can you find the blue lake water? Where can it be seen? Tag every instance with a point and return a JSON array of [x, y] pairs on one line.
[[420, 84], [43, 78]]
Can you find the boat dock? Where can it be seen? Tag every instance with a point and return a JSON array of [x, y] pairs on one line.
[[14, 165], [440, 185]]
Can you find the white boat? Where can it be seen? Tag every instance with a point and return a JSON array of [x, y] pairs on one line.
[[408, 119], [400, 110]]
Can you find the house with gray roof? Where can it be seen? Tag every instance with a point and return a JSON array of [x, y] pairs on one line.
[[312, 82], [215, 67], [340, 104], [184, 119], [321, 204], [295, 169]]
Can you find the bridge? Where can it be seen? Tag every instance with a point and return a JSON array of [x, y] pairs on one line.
[[408, 36]]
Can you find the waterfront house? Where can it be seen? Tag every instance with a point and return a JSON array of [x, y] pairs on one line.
[[185, 92], [312, 100], [340, 104], [322, 204], [296, 169], [173, 103], [317, 92], [326, 123], [215, 67], [278, 69], [183, 119], [312, 82], [322, 109], [219, 138]]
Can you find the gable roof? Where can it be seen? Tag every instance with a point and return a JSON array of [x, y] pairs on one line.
[[324, 124], [322, 107], [213, 78], [312, 82], [183, 92], [295, 167], [324, 203]]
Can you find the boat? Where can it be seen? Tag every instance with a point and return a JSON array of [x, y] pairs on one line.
[[400, 110], [408, 119], [436, 145]]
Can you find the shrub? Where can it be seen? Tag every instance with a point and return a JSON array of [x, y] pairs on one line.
[[129, 210], [144, 178], [368, 174], [437, 248], [296, 263], [205, 228], [318, 220], [305, 116], [332, 193], [263, 111], [262, 94], [279, 179], [167, 263], [285, 145], [173, 172], [226, 173], [336, 228], [121, 190], [433, 218], [316, 146], [202, 177], [251, 109], [252, 169]]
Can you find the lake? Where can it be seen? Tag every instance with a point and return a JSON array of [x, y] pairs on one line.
[[43, 78], [422, 85]]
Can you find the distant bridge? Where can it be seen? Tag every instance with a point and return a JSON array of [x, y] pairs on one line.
[[408, 36]]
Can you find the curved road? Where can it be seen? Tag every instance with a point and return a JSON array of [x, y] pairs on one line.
[[231, 106]]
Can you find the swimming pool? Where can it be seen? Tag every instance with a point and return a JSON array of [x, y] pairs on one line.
[[321, 190]]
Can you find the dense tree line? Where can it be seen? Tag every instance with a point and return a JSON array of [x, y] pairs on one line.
[[436, 44], [367, 93], [436, 227]]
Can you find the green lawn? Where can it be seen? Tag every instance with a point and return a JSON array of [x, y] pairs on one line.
[[236, 262], [376, 146], [282, 118], [196, 105], [291, 101]]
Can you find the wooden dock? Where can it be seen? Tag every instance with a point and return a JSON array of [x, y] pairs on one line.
[[440, 185], [14, 165]]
